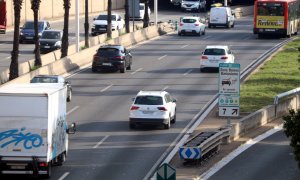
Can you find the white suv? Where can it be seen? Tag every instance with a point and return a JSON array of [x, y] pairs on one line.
[[100, 23], [153, 107], [214, 55], [192, 25]]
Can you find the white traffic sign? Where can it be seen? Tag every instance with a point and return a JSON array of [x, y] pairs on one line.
[[229, 100], [229, 78], [229, 111]]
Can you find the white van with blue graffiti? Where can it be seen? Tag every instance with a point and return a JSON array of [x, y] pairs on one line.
[[33, 128]]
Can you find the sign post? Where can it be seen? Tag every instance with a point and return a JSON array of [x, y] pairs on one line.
[[229, 90], [166, 172]]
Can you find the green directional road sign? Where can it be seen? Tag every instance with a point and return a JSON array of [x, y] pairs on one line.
[[166, 172]]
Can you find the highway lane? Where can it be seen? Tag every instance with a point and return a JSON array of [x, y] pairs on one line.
[[104, 146], [26, 50], [269, 159]]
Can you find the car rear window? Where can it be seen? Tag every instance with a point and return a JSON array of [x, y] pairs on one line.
[[214, 51], [50, 35], [108, 51], [149, 100], [189, 20], [44, 80]]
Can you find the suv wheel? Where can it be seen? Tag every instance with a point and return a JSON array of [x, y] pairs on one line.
[[131, 125], [123, 70], [174, 118], [168, 125], [94, 69]]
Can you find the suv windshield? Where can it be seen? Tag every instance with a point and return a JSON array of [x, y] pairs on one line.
[[149, 100], [30, 25], [108, 51], [50, 35], [214, 52], [104, 17], [44, 80]]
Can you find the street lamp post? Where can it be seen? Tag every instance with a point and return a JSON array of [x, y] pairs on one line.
[[77, 25], [133, 13], [155, 12]]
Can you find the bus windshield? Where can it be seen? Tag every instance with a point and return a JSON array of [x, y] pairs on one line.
[[270, 9]]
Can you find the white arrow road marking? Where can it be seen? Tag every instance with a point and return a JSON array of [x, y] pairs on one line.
[[100, 142], [73, 109], [64, 176], [160, 58], [137, 71], [188, 72], [102, 90]]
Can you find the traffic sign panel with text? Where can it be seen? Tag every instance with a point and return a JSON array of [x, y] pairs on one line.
[[229, 111], [229, 78]]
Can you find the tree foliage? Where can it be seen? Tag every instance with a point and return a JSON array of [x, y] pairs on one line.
[[292, 129]]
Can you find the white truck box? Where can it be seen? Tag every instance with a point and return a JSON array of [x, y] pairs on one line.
[[33, 128]]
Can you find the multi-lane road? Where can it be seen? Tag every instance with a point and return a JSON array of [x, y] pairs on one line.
[[104, 147]]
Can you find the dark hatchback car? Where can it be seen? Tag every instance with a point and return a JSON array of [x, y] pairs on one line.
[[112, 57], [27, 31], [50, 40], [54, 79]]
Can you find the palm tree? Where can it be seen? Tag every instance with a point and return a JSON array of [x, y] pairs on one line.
[[14, 65], [65, 39], [146, 15], [127, 16], [35, 6], [109, 6], [86, 24]]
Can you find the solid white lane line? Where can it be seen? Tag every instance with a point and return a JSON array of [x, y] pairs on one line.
[[165, 88], [160, 58], [188, 72], [184, 46], [100, 142], [238, 151], [102, 90], [73, 109], [64, 176], [139, 69]]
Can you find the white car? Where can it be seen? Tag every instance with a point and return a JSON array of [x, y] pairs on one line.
[[100, 23], [191, 25], [214, 55], [142, 11], [153, 107], [193, 5]]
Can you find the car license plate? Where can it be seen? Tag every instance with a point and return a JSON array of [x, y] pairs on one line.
[[188, 30], [214, 61], [17, 167], [188, 9], [29, 37], [106, 64], [47, 47], [102, 29], [147, 112]]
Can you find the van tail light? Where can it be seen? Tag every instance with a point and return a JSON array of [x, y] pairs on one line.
[[204, 57], [134, 108], [162, 108], [119, 57], [43, 164], [96, 57], [224, 57], [181, 24], [196, 24]]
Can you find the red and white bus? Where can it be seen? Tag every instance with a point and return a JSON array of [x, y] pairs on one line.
[[2, 16], [276, 17]]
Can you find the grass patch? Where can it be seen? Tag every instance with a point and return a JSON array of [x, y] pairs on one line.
[[34, 68], [276, 76]]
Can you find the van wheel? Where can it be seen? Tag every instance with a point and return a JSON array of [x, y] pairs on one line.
[[203, 33], [61, 159]]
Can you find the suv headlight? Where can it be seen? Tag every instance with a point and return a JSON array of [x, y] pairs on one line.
[[58, 43], [40, 34]]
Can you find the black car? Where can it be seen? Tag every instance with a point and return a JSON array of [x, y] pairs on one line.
[[112, 57], [27, 31], [50, 40], [54, 79]]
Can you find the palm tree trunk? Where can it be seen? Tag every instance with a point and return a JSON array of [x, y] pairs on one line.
[[86, 24], [14, 65], [65, 39], [35, 6], [146, 15], [109, 6], [127, 27]]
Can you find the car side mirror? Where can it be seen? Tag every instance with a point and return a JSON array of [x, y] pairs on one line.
[[71, 129], [132, 99], [174, 100], [94, 19], [67, 82]]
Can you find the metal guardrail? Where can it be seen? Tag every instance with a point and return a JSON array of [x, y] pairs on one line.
[[203, 145], [292, 92]]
